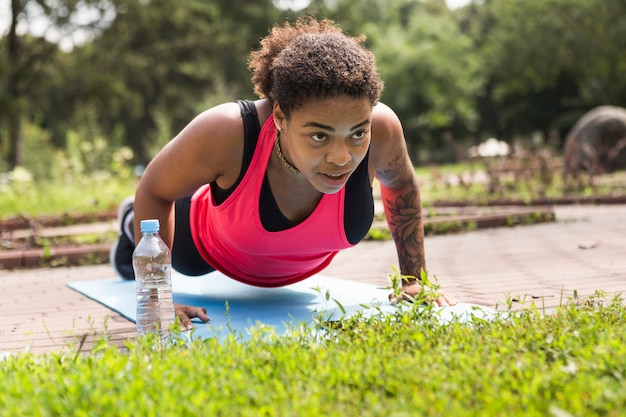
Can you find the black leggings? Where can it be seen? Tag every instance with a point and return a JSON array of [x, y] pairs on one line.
[[185, 257]]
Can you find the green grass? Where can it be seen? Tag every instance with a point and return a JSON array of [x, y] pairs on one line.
[[85, 196], [100, 193], [473, 181], [570, 363]]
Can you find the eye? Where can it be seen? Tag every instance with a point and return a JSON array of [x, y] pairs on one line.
[[359, 135], [318, 137]]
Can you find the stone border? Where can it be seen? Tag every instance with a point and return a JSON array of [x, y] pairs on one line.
[[67, 219], [618, 199], [445, 220], [58, 256]]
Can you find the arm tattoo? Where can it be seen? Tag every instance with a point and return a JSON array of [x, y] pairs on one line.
[[403, 209]]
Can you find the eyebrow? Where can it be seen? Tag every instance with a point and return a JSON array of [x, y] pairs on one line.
[[332, 129]]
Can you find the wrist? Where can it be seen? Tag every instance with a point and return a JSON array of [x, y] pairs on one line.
[[409, 279]]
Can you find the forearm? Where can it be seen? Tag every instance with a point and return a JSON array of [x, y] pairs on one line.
[[403, 209]]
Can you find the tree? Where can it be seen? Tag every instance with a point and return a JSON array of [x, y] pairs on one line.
[[548, 61], [431, 80], [160, 59], [428, 65], [25, 55]]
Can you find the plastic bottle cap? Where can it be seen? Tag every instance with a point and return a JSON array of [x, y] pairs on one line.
[[149, 226]]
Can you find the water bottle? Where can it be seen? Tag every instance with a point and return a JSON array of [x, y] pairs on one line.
[[152, 263]]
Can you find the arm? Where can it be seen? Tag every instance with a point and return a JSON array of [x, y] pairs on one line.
[[403, 210], [399, 190], [208, 149], [401, 198]]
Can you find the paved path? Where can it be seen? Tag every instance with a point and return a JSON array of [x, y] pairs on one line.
[[584, 251]]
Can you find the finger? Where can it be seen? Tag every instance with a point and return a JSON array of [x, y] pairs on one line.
[[186, 313], [201, 314], [404, 296], [446, 300], [393, 299], [197, 312], [450, 299], [185, 321]]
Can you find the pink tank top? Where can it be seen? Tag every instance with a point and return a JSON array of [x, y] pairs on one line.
[[231, 238]]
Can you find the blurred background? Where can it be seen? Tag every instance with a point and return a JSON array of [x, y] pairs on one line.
[[91, 89]]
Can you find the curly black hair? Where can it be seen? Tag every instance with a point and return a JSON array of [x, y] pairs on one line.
[[313, 60]]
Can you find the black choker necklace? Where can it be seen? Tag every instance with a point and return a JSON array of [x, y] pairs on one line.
[[281, 156]]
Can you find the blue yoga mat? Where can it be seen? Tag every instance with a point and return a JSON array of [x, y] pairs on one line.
[[232, 305]]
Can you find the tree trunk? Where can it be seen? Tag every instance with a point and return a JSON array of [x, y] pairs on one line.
[[15, 140], [14, 151]]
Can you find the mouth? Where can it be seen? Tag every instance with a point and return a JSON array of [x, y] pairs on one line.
[[336, 176], [335, 180]]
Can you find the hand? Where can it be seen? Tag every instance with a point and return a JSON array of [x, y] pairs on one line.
[[186, 313], [411, 290]]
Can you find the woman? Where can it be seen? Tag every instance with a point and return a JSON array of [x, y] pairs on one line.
[[268, 191]]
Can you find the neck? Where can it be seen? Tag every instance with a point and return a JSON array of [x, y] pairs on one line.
[[282, 157]]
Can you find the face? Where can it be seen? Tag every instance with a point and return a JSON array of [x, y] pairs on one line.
[[326, 139]]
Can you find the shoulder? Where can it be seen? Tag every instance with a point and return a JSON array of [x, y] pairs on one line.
[[209, 148], [224, 122], [387, 134], [389, 158], [218, 122], [219, 131], [385, 122], [214, 138]]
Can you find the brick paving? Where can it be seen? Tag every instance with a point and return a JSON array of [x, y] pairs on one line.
[[583, 251]]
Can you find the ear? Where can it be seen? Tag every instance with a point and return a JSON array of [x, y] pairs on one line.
[[279, 116]]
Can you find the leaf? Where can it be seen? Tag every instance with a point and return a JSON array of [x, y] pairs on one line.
[[341, 307]]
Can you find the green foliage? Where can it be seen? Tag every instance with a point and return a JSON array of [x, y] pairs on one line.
[[523, 178], [39, 152], [429, 291], [546, 69], [429, 67], [520, 364], [573, 41], [87, 195], [431, 78], [448, 226], [148, 67], [92, 174], [379, 233], [159, 59]]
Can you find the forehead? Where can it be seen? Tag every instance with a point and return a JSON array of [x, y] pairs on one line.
[[337, 112]]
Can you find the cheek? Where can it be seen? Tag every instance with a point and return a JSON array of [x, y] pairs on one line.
[[314, 157], [360, 151]]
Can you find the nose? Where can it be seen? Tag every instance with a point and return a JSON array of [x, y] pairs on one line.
[[339, 154]]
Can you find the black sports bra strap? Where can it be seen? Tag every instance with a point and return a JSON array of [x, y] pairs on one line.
[[251, 127], [251, 131]]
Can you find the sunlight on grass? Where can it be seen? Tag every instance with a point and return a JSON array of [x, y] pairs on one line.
[[87, 196], [515, 178], [524, 363], [477, 182]]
